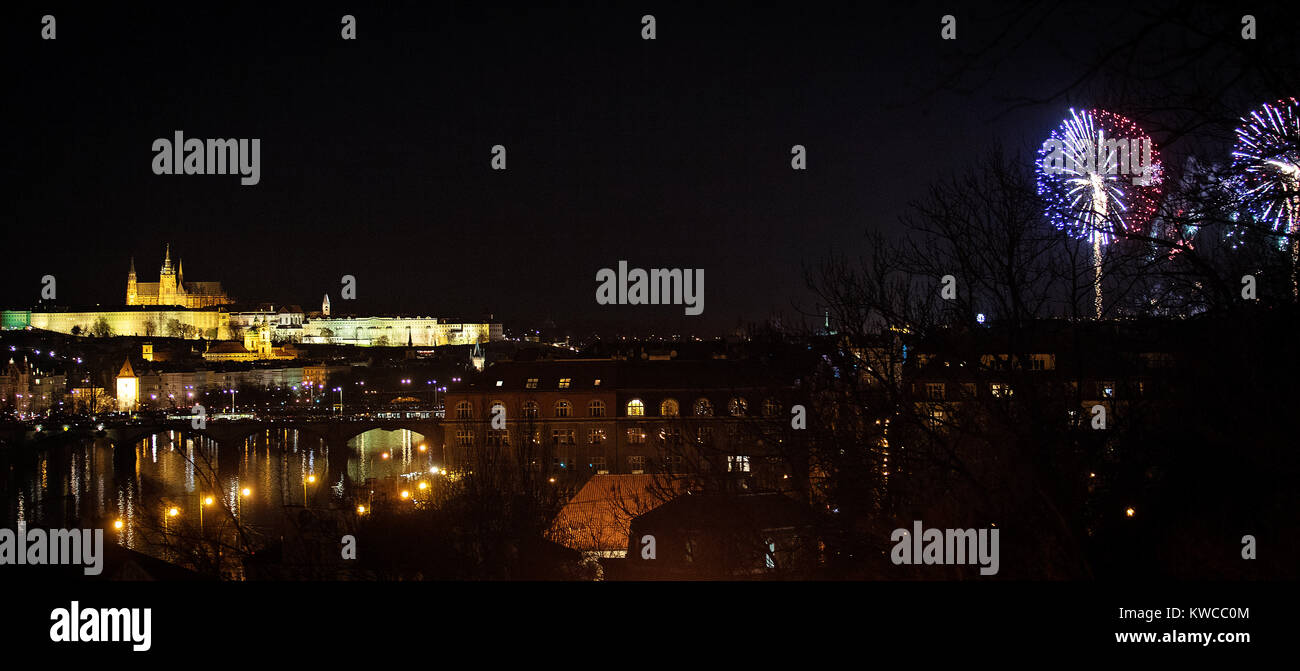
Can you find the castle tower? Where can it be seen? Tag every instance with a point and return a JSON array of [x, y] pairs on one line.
[[128, 389], [167, 280], [476, 357], [325, 306], [131, 291]]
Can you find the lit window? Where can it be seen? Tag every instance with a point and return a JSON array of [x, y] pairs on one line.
[[563, 409], [596, 436], [936, 417], [636, 436], [636, 464], [530, 410], [463, 410], [669, 408], [531, 384], [737, 407], [596, 408], [703, 408], [565, 382], [1001, 390], [635, 408], [738, 463]]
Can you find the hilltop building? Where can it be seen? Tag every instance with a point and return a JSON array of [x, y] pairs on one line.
[[172, 289]]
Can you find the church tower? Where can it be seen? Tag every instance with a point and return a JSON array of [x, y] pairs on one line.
[[131, 291], [167, 280], [325, 306]]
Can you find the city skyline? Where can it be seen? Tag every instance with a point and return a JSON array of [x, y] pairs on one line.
[[984, 312]]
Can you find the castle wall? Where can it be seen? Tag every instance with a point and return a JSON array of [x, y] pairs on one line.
[[134, 322]]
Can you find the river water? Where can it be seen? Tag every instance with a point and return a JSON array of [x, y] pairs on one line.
[[174, 481]]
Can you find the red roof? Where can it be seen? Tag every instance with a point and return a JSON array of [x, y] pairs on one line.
[[599, 517]]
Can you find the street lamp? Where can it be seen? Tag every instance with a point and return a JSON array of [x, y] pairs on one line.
[[309, 480], [205, 502]]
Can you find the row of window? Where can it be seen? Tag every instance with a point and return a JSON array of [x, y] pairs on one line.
[[936, 391], [635, 436], [635, 408]]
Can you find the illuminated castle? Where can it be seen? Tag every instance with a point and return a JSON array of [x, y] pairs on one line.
[[172, 289]]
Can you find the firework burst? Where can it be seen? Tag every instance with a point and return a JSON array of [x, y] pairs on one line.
[[1266, 160], [1092, 193]]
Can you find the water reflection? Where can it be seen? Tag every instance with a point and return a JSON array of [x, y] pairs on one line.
[[163, 483]]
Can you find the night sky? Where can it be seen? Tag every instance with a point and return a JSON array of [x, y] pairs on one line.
[[375, 152]]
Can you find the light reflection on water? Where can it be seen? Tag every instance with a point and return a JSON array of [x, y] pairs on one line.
[[83, 485]]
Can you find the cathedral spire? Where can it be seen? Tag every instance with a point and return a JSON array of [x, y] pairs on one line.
[[132, 271], [167, 258], [180, 272]]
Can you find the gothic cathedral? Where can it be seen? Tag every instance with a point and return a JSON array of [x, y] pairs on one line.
[[172, 289]]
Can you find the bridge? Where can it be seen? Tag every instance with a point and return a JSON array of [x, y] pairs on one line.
[[335, 432]]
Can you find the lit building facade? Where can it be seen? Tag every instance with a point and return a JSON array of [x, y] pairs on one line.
[[397, 331], [172, 289]]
